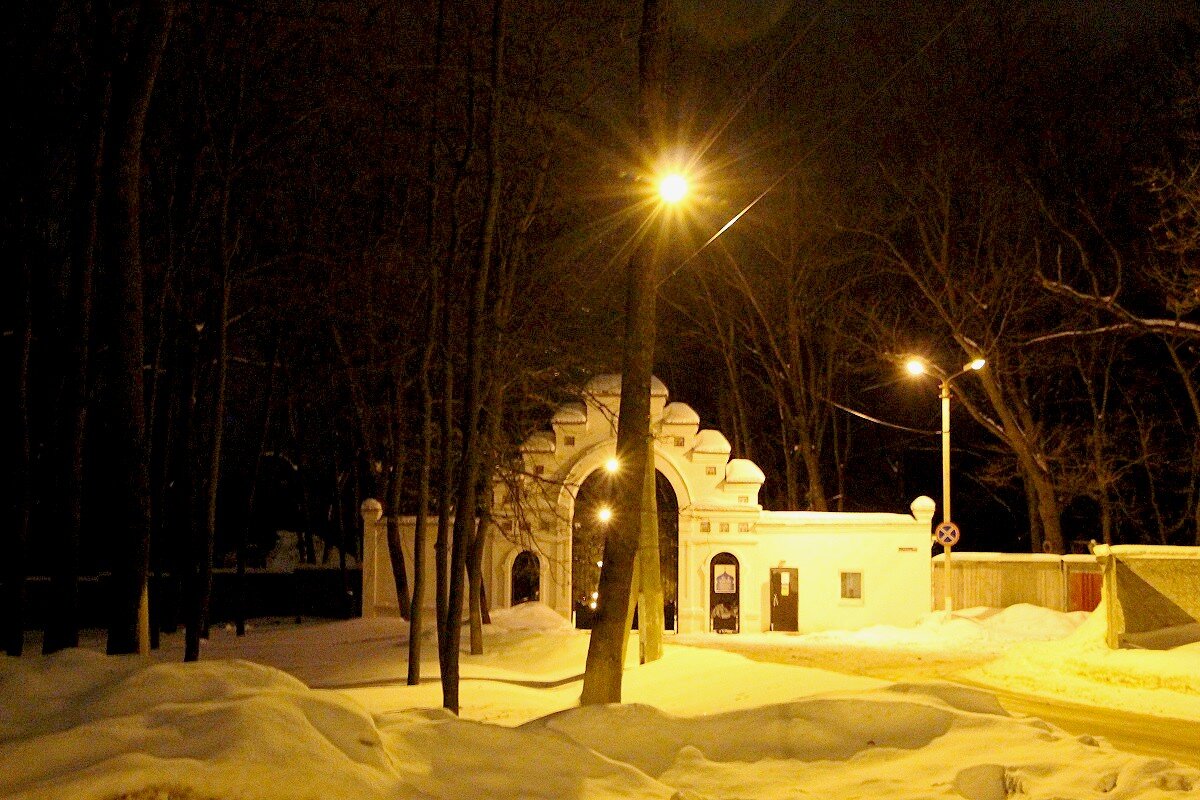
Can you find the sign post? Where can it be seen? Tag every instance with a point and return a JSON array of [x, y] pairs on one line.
[[946, 534]]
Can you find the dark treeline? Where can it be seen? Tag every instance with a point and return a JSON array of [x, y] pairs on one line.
[[266, 260]]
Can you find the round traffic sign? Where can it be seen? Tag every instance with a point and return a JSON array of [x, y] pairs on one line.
[[946, 534]]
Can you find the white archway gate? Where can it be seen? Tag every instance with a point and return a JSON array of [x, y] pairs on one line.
[[846, 570], [540, 507]]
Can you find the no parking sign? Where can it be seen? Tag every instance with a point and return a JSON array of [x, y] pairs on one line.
[[946, 534]]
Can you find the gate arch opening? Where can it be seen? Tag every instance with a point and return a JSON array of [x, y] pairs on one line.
[[526, 578], [588, 527]]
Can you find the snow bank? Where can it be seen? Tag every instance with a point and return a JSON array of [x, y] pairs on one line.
[[1082, 667], [218, 729], [980, 630], [532, 616], [909, 741], [1025, 622], [227, 729]]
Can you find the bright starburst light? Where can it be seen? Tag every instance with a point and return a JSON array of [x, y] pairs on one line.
[[673, 187]]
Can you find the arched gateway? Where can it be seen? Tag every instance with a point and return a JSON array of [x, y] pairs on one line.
[[887, 556]]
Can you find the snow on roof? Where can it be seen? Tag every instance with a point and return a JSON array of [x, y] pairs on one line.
[[680, 414], [570, 414], [787, 519], [743, 470], [1126, 551], [965, 555], [610, 386], [540, 442], [711, 442]]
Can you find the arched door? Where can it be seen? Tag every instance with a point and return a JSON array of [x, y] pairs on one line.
[[526, 578], [724, 589]]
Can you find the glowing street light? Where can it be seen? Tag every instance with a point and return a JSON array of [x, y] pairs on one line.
[[920, 366], [604, 514], [612, 465], [672, 187]]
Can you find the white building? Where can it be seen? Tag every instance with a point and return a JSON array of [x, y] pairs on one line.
[[740, 568]]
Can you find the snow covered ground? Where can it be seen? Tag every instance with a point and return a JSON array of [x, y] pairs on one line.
[[701, 723]]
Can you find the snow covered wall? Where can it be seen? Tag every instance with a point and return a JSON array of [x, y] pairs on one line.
[[1152, 595], [740, 567]]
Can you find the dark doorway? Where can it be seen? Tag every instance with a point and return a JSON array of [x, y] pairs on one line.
[[526, 578], [785, 602], [724, 588], [588, 528]]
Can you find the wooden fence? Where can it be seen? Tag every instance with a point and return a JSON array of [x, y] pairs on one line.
[[997, 580]]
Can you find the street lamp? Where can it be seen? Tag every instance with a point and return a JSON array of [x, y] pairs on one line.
[[672, 187], [921, 366]]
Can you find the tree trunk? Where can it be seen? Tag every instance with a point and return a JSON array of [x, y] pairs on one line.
[[651, 614], [62, 626], [445, 493], [475, 584], [602, 676], [193, 546], [469, 467], [12, 630], [129, 511], [416, 618], [251, 497], [416, 615], [216, 424], [395, 547]]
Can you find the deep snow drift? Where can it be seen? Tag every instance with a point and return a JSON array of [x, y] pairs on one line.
[[82, 725]]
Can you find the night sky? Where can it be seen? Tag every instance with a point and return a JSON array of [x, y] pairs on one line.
[[298, 196]]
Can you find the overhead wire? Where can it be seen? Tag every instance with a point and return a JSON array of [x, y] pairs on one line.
[[828, 134]]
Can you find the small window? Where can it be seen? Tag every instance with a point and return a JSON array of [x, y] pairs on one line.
[[539, 469], [743, 527], [679, 441], [724, 528], [705, 526], [710, 470], [569, 441], [852, 586], [745, 498]]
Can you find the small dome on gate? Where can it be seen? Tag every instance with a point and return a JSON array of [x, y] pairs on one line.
[[540, 442], [712, 442], [680, 414], [570, 414], [610, 385], [743, 470]]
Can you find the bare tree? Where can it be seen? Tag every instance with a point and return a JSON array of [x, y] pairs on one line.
[[606, 648], [968, 245], [133, 85]]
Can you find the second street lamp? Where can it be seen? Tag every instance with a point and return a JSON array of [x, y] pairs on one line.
[[921, 366]]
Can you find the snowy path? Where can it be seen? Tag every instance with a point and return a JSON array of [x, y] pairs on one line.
[[1146, 735]]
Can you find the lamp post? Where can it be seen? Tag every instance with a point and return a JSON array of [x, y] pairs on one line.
[[921, 366]]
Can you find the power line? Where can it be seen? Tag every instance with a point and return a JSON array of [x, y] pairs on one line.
[[828, 134]]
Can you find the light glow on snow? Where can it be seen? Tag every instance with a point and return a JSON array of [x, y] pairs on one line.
[[699, 723]]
